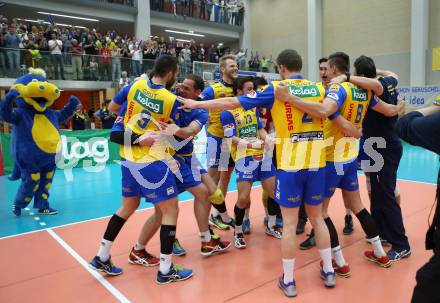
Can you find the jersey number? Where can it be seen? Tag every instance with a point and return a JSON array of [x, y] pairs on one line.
[[248, 119], [145, 117], [359, 112]]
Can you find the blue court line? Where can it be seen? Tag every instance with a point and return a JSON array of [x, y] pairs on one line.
[[96, 195]]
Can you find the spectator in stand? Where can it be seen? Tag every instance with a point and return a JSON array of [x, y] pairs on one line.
[[209, 5], [2, 54], [76, 52], [126, 58], [216, 10], [55, 47], [105, 61], [93, 68], [107, 118], [136, 61], [241, 10], [191, 8], [264, 64], [80, 119], [116, 62], [222, 10], [124, 80], [12, 42], [202, 14]]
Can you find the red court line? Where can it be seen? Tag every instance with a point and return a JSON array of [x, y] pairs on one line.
[[248, 275]]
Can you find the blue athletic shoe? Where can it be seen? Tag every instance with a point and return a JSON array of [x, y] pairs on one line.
[[289, 289], [178, 250], [395, 255], [16, 210], [329, 278], [108, 267], [246, 226], [176, 273]]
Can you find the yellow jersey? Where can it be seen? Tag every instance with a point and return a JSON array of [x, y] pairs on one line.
[[216, 91], [300, 137], [147, 104], [353, 103], [243, 124]]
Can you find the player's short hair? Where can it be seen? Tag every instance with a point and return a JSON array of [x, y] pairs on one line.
[[322, 60], [226, 58], [365, 66], [291, 59], [260, 81], [163, 65], [198, 81], [340, 60], [240, 81]]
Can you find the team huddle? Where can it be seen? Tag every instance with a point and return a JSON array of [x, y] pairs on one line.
[[299, 138]]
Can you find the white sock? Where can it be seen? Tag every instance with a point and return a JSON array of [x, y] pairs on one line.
[[377, 247], [225, 217], [238, 229], [339, 257], [165, 263], [348, 212], [288, 267], [139, 246], [104, 250], [246, 213], [272, 221], [215, 212], [326, 256], [206, 236]]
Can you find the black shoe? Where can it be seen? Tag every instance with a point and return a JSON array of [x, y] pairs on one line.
[[309, 242], [348, 228], [300, 228]]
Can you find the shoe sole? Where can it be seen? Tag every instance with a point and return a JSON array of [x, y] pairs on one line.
[[328, 285], [175, 280], [240, 246], [402, 257], [387, 265], [286, 294], [347, 233], [179, 255], [104, 271], [272, 235], [215, 251], [48, 214], [142, 264], [212, 223], [342, 275]]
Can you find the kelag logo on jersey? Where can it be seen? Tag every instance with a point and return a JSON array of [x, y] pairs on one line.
[[156, 106], [305, 91], [248, 131], [359, 94]]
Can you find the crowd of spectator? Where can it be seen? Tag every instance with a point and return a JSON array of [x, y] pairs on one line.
[[221, 11], [78, 53]]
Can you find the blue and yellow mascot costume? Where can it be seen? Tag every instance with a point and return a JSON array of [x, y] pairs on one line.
[[35, 136]]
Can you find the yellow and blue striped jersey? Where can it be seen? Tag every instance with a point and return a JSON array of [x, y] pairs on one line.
[[216, 91], [300, 137], [353, 103]]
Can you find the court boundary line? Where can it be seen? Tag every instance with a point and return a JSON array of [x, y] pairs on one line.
[[90, 220], [113, 290], [144, 209]]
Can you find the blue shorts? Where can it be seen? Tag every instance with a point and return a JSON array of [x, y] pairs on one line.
[[214, 155], [341, 175], [253, 169], [190, 170], [154, 181], [293, 188]]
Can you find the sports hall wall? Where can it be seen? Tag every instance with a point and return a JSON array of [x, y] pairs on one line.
[[353, 26]]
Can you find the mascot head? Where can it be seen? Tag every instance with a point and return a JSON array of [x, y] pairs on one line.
[[35, 91]]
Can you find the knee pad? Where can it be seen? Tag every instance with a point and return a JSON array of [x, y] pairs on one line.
[[217, 197]]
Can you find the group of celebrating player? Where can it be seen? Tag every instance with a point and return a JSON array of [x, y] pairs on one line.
[[298, 137]]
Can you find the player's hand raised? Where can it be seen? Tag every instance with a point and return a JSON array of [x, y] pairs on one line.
[[149, 139]]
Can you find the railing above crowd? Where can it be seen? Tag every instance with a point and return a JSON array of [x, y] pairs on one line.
[[221, 11], [121, 2]]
